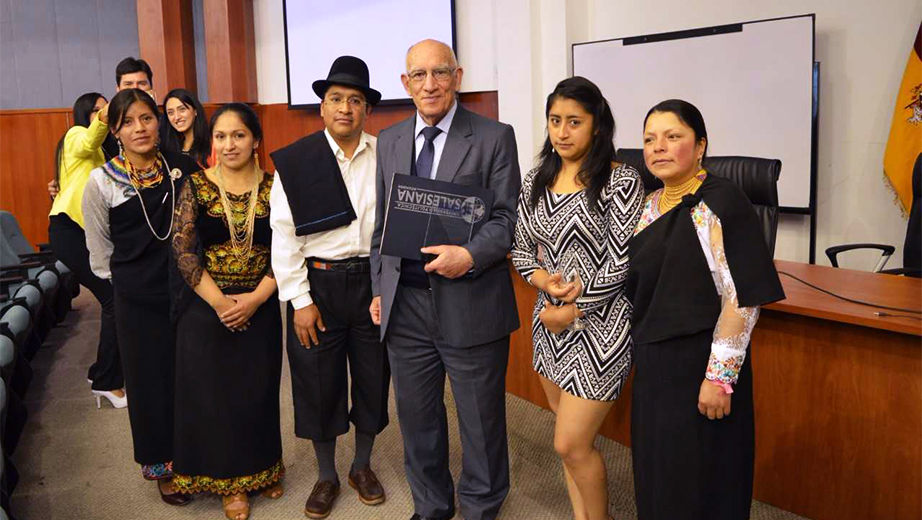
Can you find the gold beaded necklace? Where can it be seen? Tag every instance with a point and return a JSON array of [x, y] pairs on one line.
[[672, 195], [241, 239]]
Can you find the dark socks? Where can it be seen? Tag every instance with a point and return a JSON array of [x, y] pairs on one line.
[[326, 459], [363, 445]]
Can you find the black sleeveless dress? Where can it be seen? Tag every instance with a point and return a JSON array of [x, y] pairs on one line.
[[686, 466], [140, 266]]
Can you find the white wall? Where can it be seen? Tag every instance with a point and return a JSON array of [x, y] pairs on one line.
[[476, 47], [862, 47], [521, 48]]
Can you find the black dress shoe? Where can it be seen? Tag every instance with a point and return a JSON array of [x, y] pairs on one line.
[[421, 517]]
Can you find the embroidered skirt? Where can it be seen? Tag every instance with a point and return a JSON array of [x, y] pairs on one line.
[[227, 432]]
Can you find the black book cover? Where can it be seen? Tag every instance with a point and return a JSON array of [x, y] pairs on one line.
[[426, 212]]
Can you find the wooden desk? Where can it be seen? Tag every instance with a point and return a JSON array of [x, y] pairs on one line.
[[838, 395]]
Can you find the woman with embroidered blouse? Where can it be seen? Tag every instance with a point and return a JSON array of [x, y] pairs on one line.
[[128, 217], [576, 212], [229, 333], [699, 271]]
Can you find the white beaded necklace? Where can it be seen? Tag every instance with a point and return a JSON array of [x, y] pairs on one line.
[[172, 197]]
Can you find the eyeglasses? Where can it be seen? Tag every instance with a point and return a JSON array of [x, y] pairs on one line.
[[441, 74], [353, 101]]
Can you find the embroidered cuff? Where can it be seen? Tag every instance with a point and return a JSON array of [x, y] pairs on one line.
[[726, 371]]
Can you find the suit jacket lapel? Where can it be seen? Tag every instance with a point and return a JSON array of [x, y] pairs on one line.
[[404, 148], [457, 145]]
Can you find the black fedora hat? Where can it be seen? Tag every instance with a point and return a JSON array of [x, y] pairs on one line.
[[351, 72]]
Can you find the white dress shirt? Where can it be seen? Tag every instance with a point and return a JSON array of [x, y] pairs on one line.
[[439, 142], [290, 252]]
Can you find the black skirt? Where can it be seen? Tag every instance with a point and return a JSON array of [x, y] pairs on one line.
[[227, 401], [685, 465], [148, 351]]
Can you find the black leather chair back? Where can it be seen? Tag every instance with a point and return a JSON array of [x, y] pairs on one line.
[[757, 177]]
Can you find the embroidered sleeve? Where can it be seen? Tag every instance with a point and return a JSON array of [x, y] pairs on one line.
[[524, 247], [185, 238], [624, 195], [735, 324]]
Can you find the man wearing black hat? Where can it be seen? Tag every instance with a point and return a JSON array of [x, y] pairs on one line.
[[323, 215]]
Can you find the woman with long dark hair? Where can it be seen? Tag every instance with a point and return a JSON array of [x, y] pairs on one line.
[[228, 438], [576, 212], [699, 272], [78, 152], [187, 131], [128, 208]]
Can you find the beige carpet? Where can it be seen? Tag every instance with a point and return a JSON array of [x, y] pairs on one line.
[[76, 461]]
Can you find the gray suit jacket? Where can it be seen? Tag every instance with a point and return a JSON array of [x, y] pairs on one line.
[[479, 307]]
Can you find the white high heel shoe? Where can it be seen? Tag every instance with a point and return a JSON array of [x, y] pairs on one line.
[[117, 402]]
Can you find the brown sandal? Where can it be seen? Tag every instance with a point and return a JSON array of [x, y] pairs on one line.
[[236, 507], [275, 491]]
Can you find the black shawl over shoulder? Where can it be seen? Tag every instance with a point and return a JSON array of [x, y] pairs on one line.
[[314, 185], [669, 282]]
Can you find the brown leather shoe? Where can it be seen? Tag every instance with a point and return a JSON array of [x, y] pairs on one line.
[[320, 503], [365, 482]]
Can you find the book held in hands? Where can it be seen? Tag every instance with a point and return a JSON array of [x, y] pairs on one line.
[[427, 212]]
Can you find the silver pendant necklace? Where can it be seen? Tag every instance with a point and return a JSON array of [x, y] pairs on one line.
[[169, 232]]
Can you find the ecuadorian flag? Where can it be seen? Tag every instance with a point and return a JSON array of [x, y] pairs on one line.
[[905, 142]]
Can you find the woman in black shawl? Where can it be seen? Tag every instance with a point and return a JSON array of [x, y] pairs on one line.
[[699, 270]]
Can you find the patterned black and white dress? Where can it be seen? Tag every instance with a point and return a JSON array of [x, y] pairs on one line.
[[561, 232]]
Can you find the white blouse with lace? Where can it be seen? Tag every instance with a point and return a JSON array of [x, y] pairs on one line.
[[735, 324]]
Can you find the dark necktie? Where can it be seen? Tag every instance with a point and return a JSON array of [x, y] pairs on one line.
[[427, 154]]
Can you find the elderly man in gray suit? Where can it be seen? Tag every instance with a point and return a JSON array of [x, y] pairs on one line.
[[452, 315]]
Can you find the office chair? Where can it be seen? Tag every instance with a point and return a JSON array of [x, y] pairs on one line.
[[757, 177], [912, 247]]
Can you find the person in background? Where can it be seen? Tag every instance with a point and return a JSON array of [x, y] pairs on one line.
[[134, 73], [128, 208], [453, 315], [129, 73], [320, 257], [577, 211], [187, 130], [699, 271], [79, 151], [228, 439]]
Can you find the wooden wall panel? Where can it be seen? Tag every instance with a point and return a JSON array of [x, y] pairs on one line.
[[166, 40], [27, 142], [28, 139], [282, 126], [230, 49]]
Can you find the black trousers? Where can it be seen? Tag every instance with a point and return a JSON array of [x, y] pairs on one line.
[[420, 360], [68, 241], [319, 379]]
